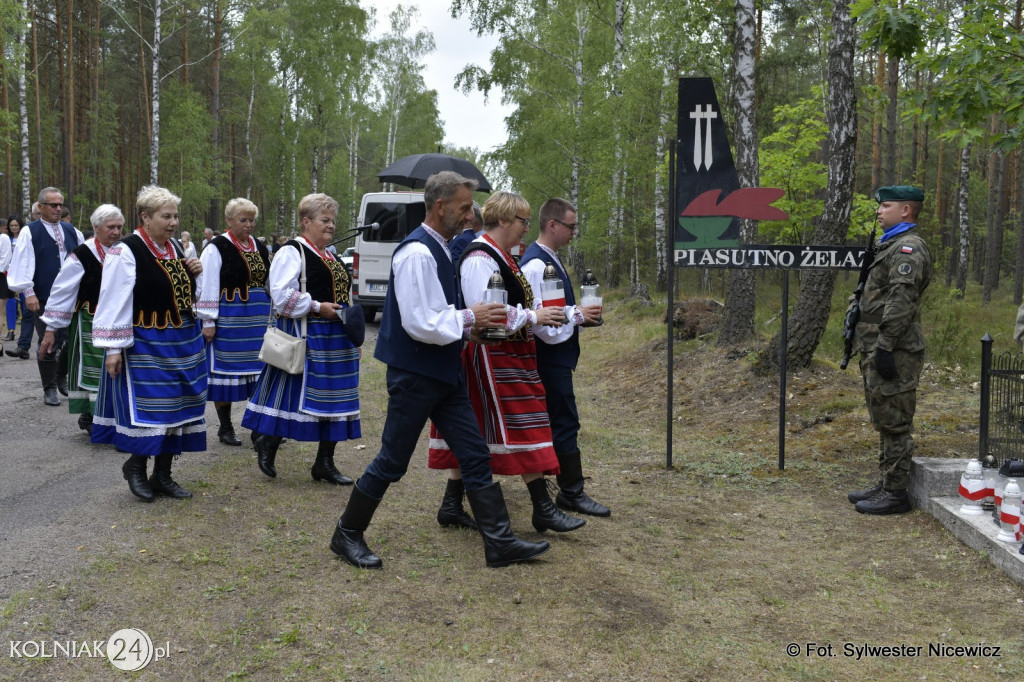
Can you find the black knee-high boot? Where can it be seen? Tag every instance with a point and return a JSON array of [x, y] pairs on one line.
[[134, 470], [501, 547], [324, 469], [161, 480], [452, 514], [226, 432], [348, 542], [546, 516], [266, 451], [570, 482]]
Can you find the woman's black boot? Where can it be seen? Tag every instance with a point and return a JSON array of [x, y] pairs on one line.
[[546, 516], [501, 547], [161, 480], [348, 542], [134, 470], [226, 432], [324, 469], [452, 514], [266, 450]]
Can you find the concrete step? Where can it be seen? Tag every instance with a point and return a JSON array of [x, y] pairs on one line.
[[933, 488]]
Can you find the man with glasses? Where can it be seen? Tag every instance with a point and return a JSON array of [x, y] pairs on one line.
[[558, 350], [42, 247]]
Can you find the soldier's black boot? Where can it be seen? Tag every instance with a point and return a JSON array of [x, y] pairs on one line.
[[546, 516], [348, 542], [887, 502], [161, 480], [866, 494], [48, 377], [324, 469], [226, 432], [266, 450], [452, 514], [501, 547], [570, 488], [134, 470]]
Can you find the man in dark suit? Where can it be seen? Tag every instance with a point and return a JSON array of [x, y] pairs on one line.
[[42, 246], [420, 340], [558, 350]]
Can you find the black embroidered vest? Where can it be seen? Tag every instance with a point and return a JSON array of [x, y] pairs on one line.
[[165, 290], [326, 281], [240, 270], [89, 287], [518, 287]]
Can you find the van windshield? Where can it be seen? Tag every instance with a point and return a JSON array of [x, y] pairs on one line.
[[396, 220]]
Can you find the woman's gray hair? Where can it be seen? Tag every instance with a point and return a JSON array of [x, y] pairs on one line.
[[103, 214], [152, 197], [239, 204], [313, 205]]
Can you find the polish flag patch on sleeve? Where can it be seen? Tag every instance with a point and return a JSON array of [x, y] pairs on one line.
[[906, 249]]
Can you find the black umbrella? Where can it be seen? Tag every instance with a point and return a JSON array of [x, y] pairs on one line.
[[413, 171]]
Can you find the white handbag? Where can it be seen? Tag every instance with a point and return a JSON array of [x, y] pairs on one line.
[[281, 349]]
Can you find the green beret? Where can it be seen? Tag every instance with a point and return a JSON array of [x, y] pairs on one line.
[[899, 193]]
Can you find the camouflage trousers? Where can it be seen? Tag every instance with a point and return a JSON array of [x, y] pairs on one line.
[[891, 405]]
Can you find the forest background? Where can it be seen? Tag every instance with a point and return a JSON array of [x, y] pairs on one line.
[[272, 99]]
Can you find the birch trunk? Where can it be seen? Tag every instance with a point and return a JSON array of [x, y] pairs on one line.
[[26, 171], [576, 258], [965, 233], [810, 316], [154, 140], [614, 241], [738, 318]]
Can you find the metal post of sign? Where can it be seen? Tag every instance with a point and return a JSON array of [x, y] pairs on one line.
[[783, 354], [670, 238]]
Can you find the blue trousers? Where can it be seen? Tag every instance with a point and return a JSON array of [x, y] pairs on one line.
[[414, 398], [565, 419], [28, 321]]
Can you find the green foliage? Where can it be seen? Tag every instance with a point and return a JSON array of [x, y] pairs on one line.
[[891, 25], [188, 166]]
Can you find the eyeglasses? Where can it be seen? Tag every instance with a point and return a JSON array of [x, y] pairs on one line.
[[573, 227], [525, 221], [52, 204]]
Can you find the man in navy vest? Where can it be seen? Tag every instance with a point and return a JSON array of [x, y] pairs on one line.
[[420, 340], [42, 246], [558, 350]]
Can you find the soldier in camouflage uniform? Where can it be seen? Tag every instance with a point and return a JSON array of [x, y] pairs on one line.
[[891, 344]]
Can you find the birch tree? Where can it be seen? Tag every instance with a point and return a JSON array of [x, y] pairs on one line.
[[738, 319]]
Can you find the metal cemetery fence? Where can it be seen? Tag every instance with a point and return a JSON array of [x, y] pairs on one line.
[[1001, 428]]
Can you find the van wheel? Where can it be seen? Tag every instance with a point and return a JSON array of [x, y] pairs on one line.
[[370, 312]]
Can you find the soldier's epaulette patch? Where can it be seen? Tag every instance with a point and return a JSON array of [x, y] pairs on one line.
[[907, 249]]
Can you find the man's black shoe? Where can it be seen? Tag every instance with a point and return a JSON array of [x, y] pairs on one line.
[[888, 502], [18, 353], [866, 494]]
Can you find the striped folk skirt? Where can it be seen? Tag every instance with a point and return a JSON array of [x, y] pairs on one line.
[[322, 403], [509, 402], [85, 365], [156, 404], [234, 362]]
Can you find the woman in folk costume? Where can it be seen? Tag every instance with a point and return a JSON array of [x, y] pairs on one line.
[[72, 304], [322, 403], [152, 396], [234, 305], [502, 378]]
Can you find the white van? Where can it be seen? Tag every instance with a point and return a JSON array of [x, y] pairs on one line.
[[398, 214]]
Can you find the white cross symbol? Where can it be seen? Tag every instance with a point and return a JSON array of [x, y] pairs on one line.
[[697, 115]]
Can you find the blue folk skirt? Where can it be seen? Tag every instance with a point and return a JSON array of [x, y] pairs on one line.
[[322, 403], [234, 362], [156, 404]]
